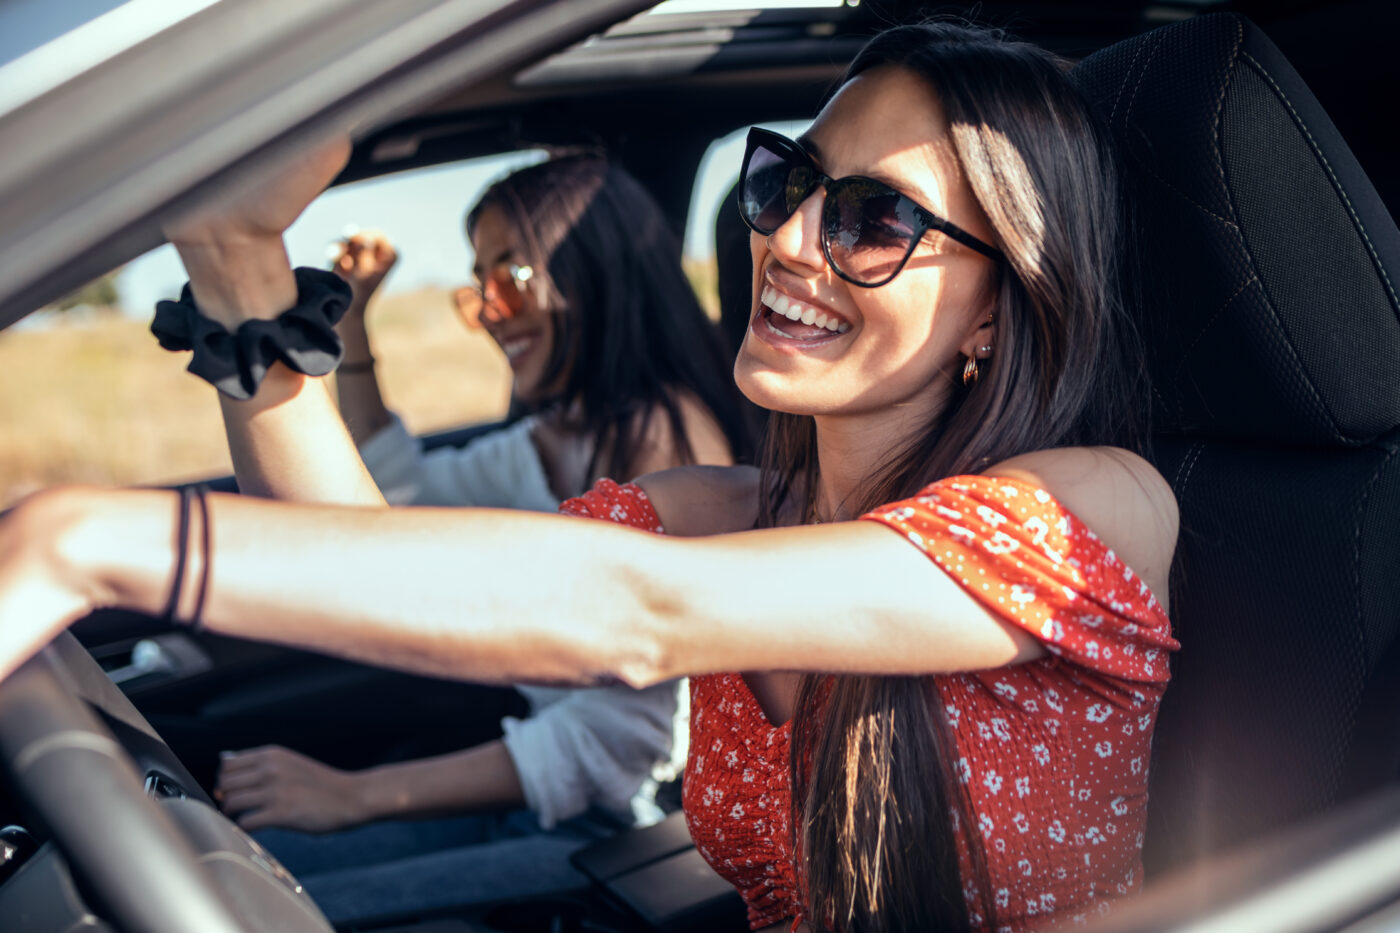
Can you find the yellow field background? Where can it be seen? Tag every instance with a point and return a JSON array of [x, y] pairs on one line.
[[94, 399]]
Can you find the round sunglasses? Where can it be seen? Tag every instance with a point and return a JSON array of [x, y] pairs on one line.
[[500, 297], [868, 229]]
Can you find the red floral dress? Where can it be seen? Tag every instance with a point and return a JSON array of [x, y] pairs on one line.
[[1053, 752]]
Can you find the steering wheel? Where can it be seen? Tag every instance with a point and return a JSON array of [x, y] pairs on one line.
[[166, 865]]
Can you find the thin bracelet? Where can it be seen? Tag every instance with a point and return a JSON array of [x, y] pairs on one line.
[[358, 366], [182, 553], [196, 621]]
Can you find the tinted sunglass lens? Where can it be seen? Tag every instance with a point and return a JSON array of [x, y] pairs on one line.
[[764, 194], [504, 292], [870, 229]]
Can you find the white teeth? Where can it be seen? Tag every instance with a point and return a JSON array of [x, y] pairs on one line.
[[793, 310]]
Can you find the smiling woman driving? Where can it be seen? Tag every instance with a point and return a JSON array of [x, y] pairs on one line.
[[945, 707]]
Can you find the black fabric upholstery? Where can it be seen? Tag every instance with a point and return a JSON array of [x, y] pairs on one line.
[[1273, 329]]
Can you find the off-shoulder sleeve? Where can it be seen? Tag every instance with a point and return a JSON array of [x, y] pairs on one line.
[[624, 504], [1029, 560]]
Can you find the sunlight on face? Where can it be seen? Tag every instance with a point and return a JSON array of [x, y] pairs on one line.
[[527, 338], [895, 363]]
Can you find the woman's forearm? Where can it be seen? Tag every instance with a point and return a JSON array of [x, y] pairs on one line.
[[288, 441], [479, 778], [477, 594]]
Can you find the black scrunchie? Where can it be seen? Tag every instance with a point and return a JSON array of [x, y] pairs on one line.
[[302, 337]]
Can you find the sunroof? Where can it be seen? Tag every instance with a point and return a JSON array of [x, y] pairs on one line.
[[707, 6]]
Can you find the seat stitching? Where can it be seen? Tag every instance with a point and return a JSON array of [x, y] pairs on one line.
[[1188, 463], [1118, 99], [1217, 120], [1320, 405], [1186, 197], [1253, 279], [1146, 66], [1358, 609], [1336, 184], [1143, 164]]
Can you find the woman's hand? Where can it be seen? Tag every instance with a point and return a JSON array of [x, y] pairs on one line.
[[275, 786], [233, 250], [268, 211], [40, 594], [364, 260]]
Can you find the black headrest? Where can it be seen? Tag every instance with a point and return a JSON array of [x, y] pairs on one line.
[[1271, 265]]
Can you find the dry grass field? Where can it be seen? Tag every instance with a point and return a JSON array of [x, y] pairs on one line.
[[95, 400]]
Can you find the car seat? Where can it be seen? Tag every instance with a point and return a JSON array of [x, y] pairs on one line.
[[1269, 309]]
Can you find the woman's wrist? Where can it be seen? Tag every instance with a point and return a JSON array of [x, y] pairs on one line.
[[375, 794], [239, 279]]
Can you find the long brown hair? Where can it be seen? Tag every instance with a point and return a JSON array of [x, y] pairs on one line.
[[877, 810], [632, 337]]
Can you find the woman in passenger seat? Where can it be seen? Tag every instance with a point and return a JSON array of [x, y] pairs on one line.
[[925, 636], [574, 263]]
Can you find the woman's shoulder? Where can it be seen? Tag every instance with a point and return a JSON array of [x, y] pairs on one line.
[[703, 500], [1116, 493]]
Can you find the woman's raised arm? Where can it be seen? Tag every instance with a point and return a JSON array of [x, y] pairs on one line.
[[288, 441]]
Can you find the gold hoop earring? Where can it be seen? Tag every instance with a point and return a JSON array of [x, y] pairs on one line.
[[970, 370]]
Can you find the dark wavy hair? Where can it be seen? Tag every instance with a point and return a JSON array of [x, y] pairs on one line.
[[871, 755], [632, 336]]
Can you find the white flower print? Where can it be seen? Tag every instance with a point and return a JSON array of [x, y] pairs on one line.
[[1022, 594], [985, 824], [1002, 688], [1054, 700], [1093, 835], [1023, 787], [1000, 543], [1025, 867], [1103, 749], [991, 516], [1056, 832], [964, 770], [992, 781], [946, 512], [1098, 712], [1041, 753], [959, 531], [736, 812], [1022, 824], [903, 514], [1042, 497], [1001, 730]]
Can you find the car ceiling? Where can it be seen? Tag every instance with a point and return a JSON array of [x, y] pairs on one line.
[[656, 88]]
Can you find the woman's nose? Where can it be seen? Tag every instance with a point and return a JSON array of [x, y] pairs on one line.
[[797, 242]]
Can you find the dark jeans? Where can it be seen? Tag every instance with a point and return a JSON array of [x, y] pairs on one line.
[[389, 869]]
